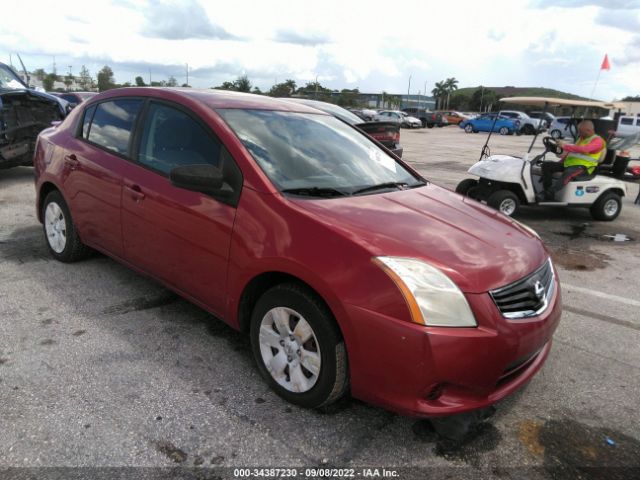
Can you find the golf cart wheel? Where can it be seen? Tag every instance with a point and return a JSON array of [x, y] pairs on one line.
[[468, 128], [555, 134], [607, 207], [298, 347], [503, 131], [504, 201], [465, 185]]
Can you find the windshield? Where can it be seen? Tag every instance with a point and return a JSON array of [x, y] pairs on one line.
[[315, 154], [9, 80]]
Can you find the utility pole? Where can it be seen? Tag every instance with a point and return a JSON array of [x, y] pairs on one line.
[[408, 89], [54, 65], [425, 95], [187, 73]]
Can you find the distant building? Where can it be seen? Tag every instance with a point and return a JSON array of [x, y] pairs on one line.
[[630, 108], [382, 101]]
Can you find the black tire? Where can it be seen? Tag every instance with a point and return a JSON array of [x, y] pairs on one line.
[[503, 131], [556, 134], [465, 185], [333, 378], [607, 207], [528, 129], [504, 201], [429, 125], [468, 128], [74, 249]]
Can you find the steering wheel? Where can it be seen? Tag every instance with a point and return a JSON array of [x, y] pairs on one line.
[[552, 146]]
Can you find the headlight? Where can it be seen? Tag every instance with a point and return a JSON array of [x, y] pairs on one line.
[[433, 299]]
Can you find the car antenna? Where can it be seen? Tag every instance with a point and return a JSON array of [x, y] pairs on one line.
[[26, 74]]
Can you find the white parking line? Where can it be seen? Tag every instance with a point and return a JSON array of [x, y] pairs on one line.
[[607, 296]]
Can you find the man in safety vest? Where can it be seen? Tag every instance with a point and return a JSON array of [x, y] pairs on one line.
[[579, 158]]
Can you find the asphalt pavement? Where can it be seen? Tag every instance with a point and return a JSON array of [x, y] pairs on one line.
[[101, 367]]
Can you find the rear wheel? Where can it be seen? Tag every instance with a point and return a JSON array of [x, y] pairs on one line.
[[298, 347], [528, 129], [62, 238], [468, 128], [504, 201], [465, 185], [556, 134], [503, 131], [607, 207]]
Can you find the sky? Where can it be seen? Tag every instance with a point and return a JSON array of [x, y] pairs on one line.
[[373, 46]]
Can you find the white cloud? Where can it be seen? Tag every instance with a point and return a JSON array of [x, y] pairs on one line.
[[344, 44]]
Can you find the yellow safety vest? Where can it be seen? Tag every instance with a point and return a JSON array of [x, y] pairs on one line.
[[588, 160]]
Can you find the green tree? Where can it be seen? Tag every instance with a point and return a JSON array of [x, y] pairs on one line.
[[105, 79], [84, 79], [39, 73], [140, 82], [483, 99], [172, 82], [626, 99], [349, 98], [225, 86], [460, 101], [450, 85], [48, 81], [257, 91], [68, 80], [242, 84], [439, 92], [284, 89]]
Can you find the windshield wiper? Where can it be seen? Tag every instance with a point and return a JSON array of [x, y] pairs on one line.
[[315, 192], [382, 186]]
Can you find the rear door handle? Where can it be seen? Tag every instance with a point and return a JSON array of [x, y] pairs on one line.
[[135, 191], [72, 161]]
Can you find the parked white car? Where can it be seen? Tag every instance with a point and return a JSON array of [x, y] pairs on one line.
[[628, 124], [528, 125], [559, 128], [404, 119]]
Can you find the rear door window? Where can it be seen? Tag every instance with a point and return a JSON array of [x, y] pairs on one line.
[[112, 124]]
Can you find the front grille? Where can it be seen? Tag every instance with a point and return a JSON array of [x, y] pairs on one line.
[[527, 297]]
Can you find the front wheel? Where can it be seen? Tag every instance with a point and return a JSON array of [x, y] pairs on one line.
[[556, 134], [468, 128], [62, 238], [465, 185], [607, 207], [298, 347], [503, 131], [504, 201]]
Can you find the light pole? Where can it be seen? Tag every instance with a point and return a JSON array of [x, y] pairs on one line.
[[408, 89], [425, 95]]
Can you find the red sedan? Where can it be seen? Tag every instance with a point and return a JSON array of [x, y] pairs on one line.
[[347, 269]]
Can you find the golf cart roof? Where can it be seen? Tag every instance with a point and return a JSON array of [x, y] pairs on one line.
[[554, 102]]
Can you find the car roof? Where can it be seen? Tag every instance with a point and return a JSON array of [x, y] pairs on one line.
[[212, 98]]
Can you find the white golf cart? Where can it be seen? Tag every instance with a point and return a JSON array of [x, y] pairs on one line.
[[506, 182]]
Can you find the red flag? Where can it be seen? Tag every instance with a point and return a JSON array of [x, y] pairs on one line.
[[605, 63]]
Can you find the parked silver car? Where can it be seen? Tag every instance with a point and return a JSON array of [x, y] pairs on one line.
[[404, 119], [528, 125]]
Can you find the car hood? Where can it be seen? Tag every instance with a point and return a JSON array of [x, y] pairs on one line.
[[17, 92], [479, 248]]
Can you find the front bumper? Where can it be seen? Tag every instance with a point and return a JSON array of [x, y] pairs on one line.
[[434, 371]]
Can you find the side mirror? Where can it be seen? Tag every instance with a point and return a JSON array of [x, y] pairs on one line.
[[199, 178]]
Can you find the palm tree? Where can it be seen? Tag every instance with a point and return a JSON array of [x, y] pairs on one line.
[[438, 92], [450, 84]]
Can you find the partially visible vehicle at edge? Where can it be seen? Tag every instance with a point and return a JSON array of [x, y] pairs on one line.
[[628, 124], [487, 121], [74, 98], [429, 119], [402, 118], [454, 118], [24, 113], [409, 121], [547, 117], [364, 113], [561, 128], [387, 133], [528, 125], [301, 232]]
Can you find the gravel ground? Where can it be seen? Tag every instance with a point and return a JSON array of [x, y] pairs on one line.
[[101, 367]]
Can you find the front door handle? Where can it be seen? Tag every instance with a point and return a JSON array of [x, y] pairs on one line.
[[135, 191], [72, 161]]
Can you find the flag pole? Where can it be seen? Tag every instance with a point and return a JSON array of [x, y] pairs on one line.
[[595, 84]]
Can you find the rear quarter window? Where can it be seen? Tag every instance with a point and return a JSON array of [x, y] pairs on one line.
[[112, 123]]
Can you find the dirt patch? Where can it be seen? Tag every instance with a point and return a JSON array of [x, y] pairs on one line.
[[24, 245], [142, 303], [172, 452], [584, 260]]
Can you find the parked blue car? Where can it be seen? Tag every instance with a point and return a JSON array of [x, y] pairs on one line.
[[483, 123]]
